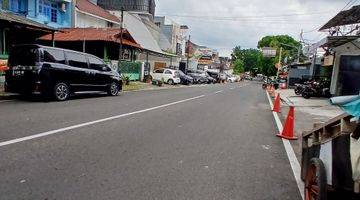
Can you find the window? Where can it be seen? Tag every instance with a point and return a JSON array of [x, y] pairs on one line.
[[54, 56], [159, 71], [49, 10], [168, 72], [29, 56], [53, 13], [96, 63], [76, 60], [14, 5]]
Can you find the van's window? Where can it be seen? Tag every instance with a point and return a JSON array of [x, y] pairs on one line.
[[29, 56], [54, 56], [168, 72], [96, 63], [76, 60], [159, 71]]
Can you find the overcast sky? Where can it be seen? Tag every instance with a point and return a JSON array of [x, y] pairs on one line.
[[222, 24]]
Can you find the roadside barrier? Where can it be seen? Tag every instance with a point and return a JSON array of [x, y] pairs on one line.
[[288, 131], [276, 107]]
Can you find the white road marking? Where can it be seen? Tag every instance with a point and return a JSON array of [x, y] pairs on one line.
[[232, 88], [14, 141], [3, 101], [295, 166], [217, 92]]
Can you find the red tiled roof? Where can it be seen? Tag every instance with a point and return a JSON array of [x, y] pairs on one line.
[[93, 34], [88, 7]]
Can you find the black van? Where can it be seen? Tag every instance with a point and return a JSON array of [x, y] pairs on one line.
[[55, 72]]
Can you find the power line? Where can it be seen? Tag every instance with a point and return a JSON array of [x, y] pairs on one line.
[[244, 17], [348, 4]]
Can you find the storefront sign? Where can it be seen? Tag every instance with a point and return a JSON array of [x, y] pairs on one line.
[[328, 60]]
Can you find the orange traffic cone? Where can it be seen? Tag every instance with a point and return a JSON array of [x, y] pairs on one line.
[[276, 107], [288, 132]]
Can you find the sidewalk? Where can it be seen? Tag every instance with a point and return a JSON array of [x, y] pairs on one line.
[[133, 86], [307, 112]]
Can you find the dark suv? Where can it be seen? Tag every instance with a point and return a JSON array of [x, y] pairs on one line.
[[57, 73]]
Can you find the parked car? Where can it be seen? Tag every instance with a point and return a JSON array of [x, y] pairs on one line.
[[222, 77], [209, 78], [198, 78], [214, 75], [169, 76], [58, 73], [230, 78], [185, 79]]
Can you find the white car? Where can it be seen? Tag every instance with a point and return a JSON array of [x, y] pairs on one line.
[[169, 76], [231, 78]]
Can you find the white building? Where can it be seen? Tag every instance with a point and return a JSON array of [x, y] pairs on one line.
[[88, 14], [175, 34]]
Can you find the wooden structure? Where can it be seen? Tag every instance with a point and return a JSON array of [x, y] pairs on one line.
[[326, 159]]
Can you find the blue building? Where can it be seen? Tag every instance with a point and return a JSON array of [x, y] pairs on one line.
[[54, 13]]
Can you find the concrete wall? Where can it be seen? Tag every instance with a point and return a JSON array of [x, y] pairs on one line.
[[152, 59], [84, 21], [346, 49]]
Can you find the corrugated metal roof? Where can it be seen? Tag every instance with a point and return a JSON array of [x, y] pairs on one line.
[[345, 17], [88, 7], [12, 17], [140, 32], [93, 34]]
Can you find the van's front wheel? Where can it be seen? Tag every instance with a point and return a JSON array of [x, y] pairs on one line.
[[114, 89], [61, 91]]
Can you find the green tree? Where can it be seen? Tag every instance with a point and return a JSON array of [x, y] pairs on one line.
[[251, 58], [287, 43], [238, 66]]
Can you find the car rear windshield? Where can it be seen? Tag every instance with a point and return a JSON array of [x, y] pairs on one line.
[[24, 55]]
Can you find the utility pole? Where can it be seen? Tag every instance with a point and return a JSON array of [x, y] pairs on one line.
[[299, 53], [121, 35], [279, 63], [188, 54]]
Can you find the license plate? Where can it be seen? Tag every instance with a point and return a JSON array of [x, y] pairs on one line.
[[18, 73]]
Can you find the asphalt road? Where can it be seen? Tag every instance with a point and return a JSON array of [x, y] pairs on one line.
[[211, 142]]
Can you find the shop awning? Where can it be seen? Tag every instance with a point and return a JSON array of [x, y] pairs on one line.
[[93, 34], [335, 41], [23, 21]]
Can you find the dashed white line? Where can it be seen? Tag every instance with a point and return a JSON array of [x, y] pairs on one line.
[[3, 101], [217, 92], [61, 130], [294, 163]]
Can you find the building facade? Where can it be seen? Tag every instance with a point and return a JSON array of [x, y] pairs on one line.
[[88, 14], [53, 13], [175, 34], [142, 7]]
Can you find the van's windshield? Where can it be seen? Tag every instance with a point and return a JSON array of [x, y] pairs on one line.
[[24, 55]]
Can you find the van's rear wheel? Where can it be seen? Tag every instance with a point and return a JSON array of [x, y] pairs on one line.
[[114, 89], [61, 91]]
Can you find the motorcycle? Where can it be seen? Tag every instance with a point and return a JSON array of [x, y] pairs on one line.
[[316, 89], [299, 88]]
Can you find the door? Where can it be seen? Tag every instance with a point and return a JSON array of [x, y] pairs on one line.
[[168, 75], [80, 75], [101, 73], [157, 75], [349, 75]]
